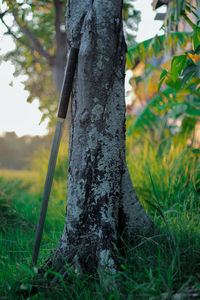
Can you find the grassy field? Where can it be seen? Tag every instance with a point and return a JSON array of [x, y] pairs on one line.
[[164, 266]]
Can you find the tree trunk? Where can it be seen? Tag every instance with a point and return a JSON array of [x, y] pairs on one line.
[[102, 204], [58, 69]]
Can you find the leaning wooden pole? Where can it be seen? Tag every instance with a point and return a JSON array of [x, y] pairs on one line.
[[62, 112]]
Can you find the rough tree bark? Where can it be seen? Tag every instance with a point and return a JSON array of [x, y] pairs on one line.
[[102, 204]]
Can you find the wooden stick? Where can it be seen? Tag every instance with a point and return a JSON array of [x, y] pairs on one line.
[[62, 112]]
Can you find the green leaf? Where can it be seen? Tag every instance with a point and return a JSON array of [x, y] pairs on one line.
[[27, 270], [193, 101], [129, 63], [123, 267], [192, 112], [130, 130], [188, 72], [188, 124], [195, 151], [54, 273], [174, 84], [23, 15], [197, 51], [160, 42], [177, 65], [162, 78], [196, 38]]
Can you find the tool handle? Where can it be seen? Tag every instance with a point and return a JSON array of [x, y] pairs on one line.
[[47, 189], [67, 83], [62, 112]]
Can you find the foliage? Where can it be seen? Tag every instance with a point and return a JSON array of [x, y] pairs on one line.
[[176, 99], [178, 10], [185, 75], [156, 47]]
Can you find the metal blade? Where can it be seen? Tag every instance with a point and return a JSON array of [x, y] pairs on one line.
[[47, 187]]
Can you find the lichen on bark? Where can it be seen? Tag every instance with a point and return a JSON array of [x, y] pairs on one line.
[[102, 203]]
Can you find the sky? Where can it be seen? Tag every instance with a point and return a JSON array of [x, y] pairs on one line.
[[24, 118]]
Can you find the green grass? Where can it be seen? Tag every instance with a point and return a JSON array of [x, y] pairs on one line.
[[164, 266], [17, 234]]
